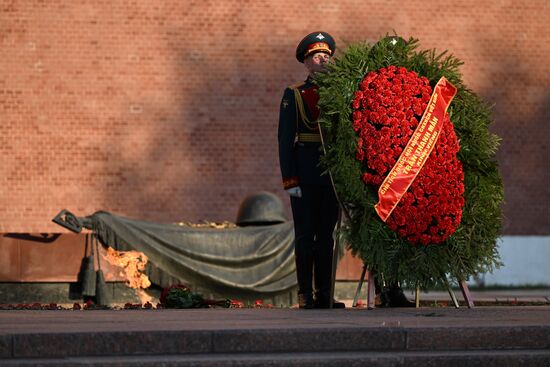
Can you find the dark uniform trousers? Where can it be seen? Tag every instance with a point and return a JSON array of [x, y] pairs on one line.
[[316, 212], [315, 215]]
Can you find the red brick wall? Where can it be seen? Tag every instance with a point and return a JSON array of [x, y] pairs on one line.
[[167, 110]]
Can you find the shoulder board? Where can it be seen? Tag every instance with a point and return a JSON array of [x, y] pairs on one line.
[[297, 85]]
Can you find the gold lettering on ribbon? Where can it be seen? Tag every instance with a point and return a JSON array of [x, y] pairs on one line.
[[417, 151]]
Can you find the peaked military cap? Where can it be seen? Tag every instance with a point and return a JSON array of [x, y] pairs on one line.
[[315, 42]]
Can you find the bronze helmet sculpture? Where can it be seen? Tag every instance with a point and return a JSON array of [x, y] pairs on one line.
[[262, 208]]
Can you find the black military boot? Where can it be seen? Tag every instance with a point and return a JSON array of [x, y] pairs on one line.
[[305, 301], [393, 296], [324, 302]]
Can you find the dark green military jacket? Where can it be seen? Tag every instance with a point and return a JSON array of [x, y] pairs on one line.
[[299, 139]]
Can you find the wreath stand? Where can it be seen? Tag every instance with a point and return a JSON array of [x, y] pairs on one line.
[[371, 294]]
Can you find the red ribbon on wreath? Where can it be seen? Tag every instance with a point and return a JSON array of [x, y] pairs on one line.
[[417, 150]]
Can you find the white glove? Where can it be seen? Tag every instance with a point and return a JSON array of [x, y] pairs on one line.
[[295, 191]]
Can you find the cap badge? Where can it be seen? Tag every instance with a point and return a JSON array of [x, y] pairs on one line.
[[320, 36]]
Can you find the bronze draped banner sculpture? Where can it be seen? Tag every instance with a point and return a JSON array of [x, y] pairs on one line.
[[251, 262]]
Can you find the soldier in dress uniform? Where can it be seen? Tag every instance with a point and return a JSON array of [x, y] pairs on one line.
[[314, 204]]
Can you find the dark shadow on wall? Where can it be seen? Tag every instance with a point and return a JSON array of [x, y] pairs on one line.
[[216, 147]]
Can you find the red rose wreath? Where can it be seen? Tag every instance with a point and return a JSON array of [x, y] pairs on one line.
[[387, 109], [449, 216]]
